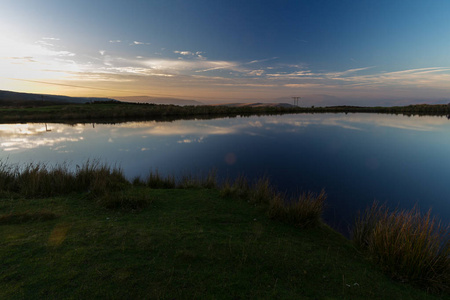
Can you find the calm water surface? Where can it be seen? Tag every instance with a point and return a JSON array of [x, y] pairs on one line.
[[356, 158]]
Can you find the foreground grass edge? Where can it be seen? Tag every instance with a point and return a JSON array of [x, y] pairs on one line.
[[420, 254]]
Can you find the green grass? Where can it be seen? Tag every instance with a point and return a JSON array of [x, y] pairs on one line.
[[97, 235], [24, 217], [185, 244], [303, 212], [410, 246]]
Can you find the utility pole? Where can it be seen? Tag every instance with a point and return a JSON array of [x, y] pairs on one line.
[[296, 100]]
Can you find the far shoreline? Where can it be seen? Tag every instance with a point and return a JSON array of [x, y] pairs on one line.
[[116, 112]]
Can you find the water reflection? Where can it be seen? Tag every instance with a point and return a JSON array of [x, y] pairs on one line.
[[28, 136], [356, 157]]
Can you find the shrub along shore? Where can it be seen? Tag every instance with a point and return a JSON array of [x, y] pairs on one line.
[[88, 231], [102, 112]]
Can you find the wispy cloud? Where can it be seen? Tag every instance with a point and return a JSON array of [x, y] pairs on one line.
[[293, 75], [29, 59], [220, 65], [139, 43], [34, 60], [237, 67], [302, 85], [51, 38], [46, 60], [196, 55], [437, 77], [344, 73], [44, 43], [260, 60], [412, 77], [256, 73], [184, 52]]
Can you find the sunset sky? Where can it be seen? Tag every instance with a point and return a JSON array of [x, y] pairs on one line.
[[358, 52]]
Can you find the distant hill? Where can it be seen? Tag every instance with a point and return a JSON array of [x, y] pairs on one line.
[[159, 100], [8, 98], [323, 100], [257, 104]]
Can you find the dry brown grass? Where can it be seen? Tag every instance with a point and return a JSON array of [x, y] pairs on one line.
[[409, 245], [306, 211]]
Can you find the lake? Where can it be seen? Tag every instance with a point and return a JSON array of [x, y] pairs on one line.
[[356, 158]]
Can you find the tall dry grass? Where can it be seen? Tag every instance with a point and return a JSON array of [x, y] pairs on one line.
[[306, 211], [41, 180], [99, 178], [238, 188], [208, 181], [157, 181], [261, 191], [409, 245]]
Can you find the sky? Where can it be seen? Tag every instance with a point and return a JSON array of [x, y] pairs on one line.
[[326, 51]]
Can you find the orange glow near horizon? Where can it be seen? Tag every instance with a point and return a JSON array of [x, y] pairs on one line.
[[45, 68]]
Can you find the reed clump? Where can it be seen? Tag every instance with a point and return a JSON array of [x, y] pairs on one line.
[[99, 178], [238, 188], [306, 211], [130, 199], [410, 246], [262, 191], [8, 174], [208, 181], [40, 180], [157, 181]]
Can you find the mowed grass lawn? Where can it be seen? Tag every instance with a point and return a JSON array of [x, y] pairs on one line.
[[185, 244]]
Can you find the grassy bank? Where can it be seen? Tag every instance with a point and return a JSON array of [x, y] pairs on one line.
[[117, 112], [104, 237]]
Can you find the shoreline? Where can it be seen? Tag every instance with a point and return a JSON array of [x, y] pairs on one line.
[[115, 112]]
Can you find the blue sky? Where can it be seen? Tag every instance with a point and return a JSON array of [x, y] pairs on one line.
[[354, 52]]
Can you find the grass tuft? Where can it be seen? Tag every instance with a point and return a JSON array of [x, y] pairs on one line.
[[261, 191], [210, 181], [156, 181], [189, 181], [410, 246], [39, 180], [305, 212], [99, 178], [8, 175], [131, 199], [239, 188]]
